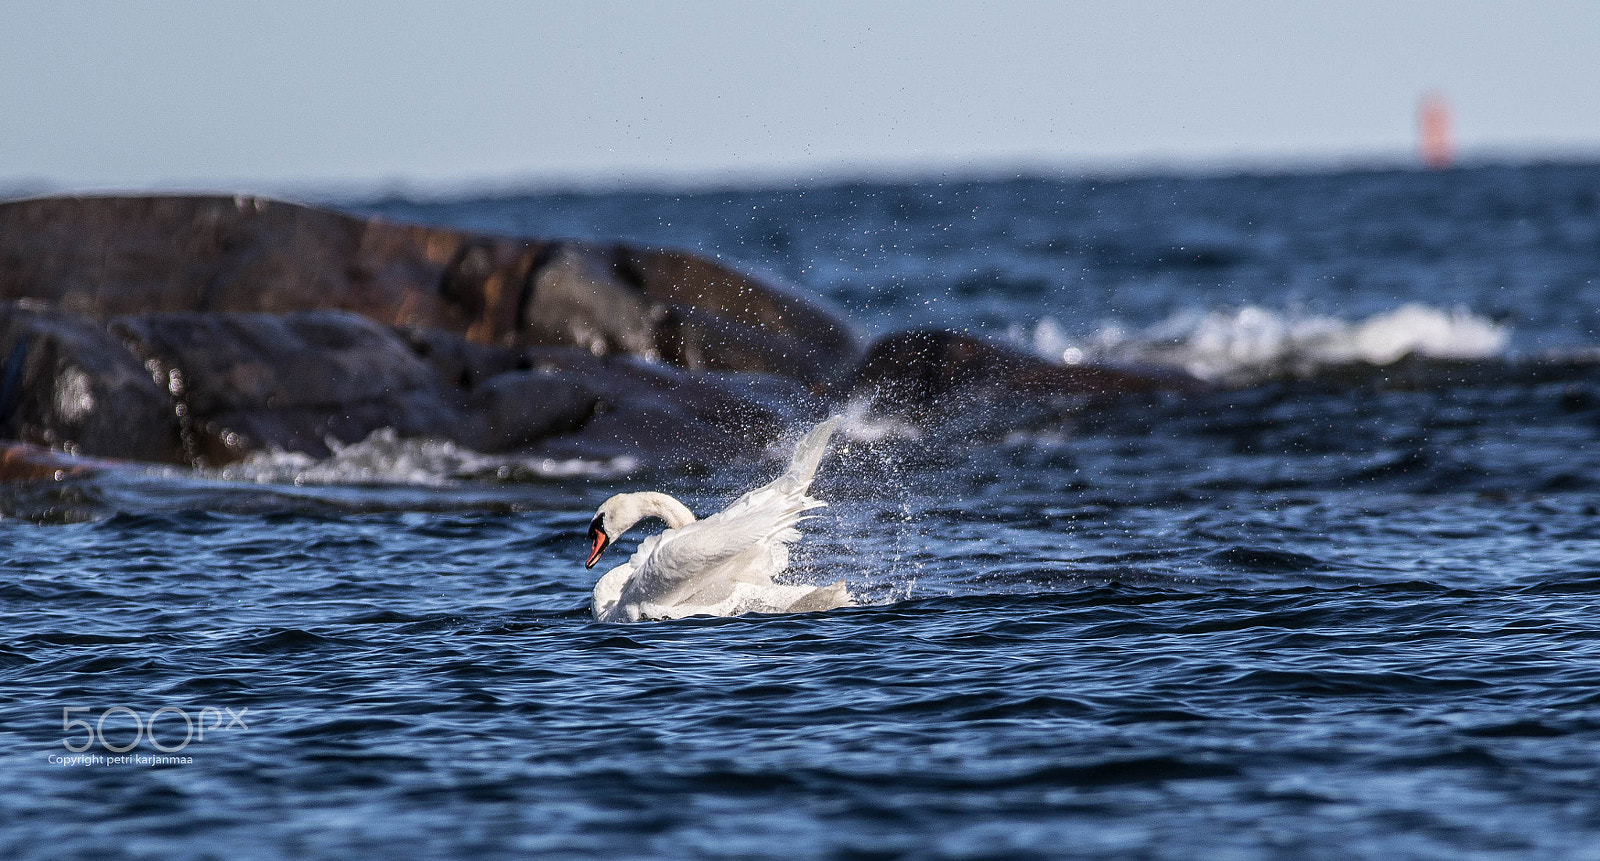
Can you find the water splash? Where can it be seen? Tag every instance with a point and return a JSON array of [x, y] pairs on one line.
[[1250, 344], [862, 425], [869, 534]]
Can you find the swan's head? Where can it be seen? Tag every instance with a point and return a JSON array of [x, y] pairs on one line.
[[619, 513]]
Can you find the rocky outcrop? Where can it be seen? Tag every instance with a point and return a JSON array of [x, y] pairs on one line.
[[208, 389], [198, 330], [244, 382], [101, 257], [80, 390]]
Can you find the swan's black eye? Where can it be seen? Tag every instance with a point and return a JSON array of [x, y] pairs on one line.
[[597, 525]]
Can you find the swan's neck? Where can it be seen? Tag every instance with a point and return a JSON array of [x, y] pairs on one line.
[[630, 508]]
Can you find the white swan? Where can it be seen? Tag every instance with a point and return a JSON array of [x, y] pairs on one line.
[[720, 566]]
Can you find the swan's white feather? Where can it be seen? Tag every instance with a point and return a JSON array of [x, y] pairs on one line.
[[725, 564]]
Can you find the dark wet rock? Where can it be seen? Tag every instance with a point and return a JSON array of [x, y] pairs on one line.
[[315, 359], [664, 415], [933, 376], [81, 390], [519, 409], [245, 382], [295, 382], [460, 363], [208, 389], [569, 402]]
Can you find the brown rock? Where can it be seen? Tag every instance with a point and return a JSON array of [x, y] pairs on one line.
[[108, 256], [727, 320], [104, 256], [22, 462]]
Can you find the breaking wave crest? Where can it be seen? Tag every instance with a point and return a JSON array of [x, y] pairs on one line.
[[385, 457], [1250, 344]]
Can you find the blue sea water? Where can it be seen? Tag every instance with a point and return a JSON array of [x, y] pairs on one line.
[[1344, 604]]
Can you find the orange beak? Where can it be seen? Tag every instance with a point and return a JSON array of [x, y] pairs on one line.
[[601, 542]]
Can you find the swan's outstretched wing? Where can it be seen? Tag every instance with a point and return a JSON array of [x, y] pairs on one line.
[[764, 516], [802, 465], [755, 530]]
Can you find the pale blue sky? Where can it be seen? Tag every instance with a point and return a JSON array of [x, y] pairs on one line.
[[304, 94]]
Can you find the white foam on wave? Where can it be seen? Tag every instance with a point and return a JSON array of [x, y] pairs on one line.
[[385, 457], [1253, 343]]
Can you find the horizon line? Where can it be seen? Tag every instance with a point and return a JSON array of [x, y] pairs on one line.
[[777, 177]]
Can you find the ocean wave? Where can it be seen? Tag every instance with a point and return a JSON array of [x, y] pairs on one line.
[[1252, 343], [385, 457]]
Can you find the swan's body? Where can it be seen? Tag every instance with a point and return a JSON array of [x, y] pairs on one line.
[[723, 565]]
